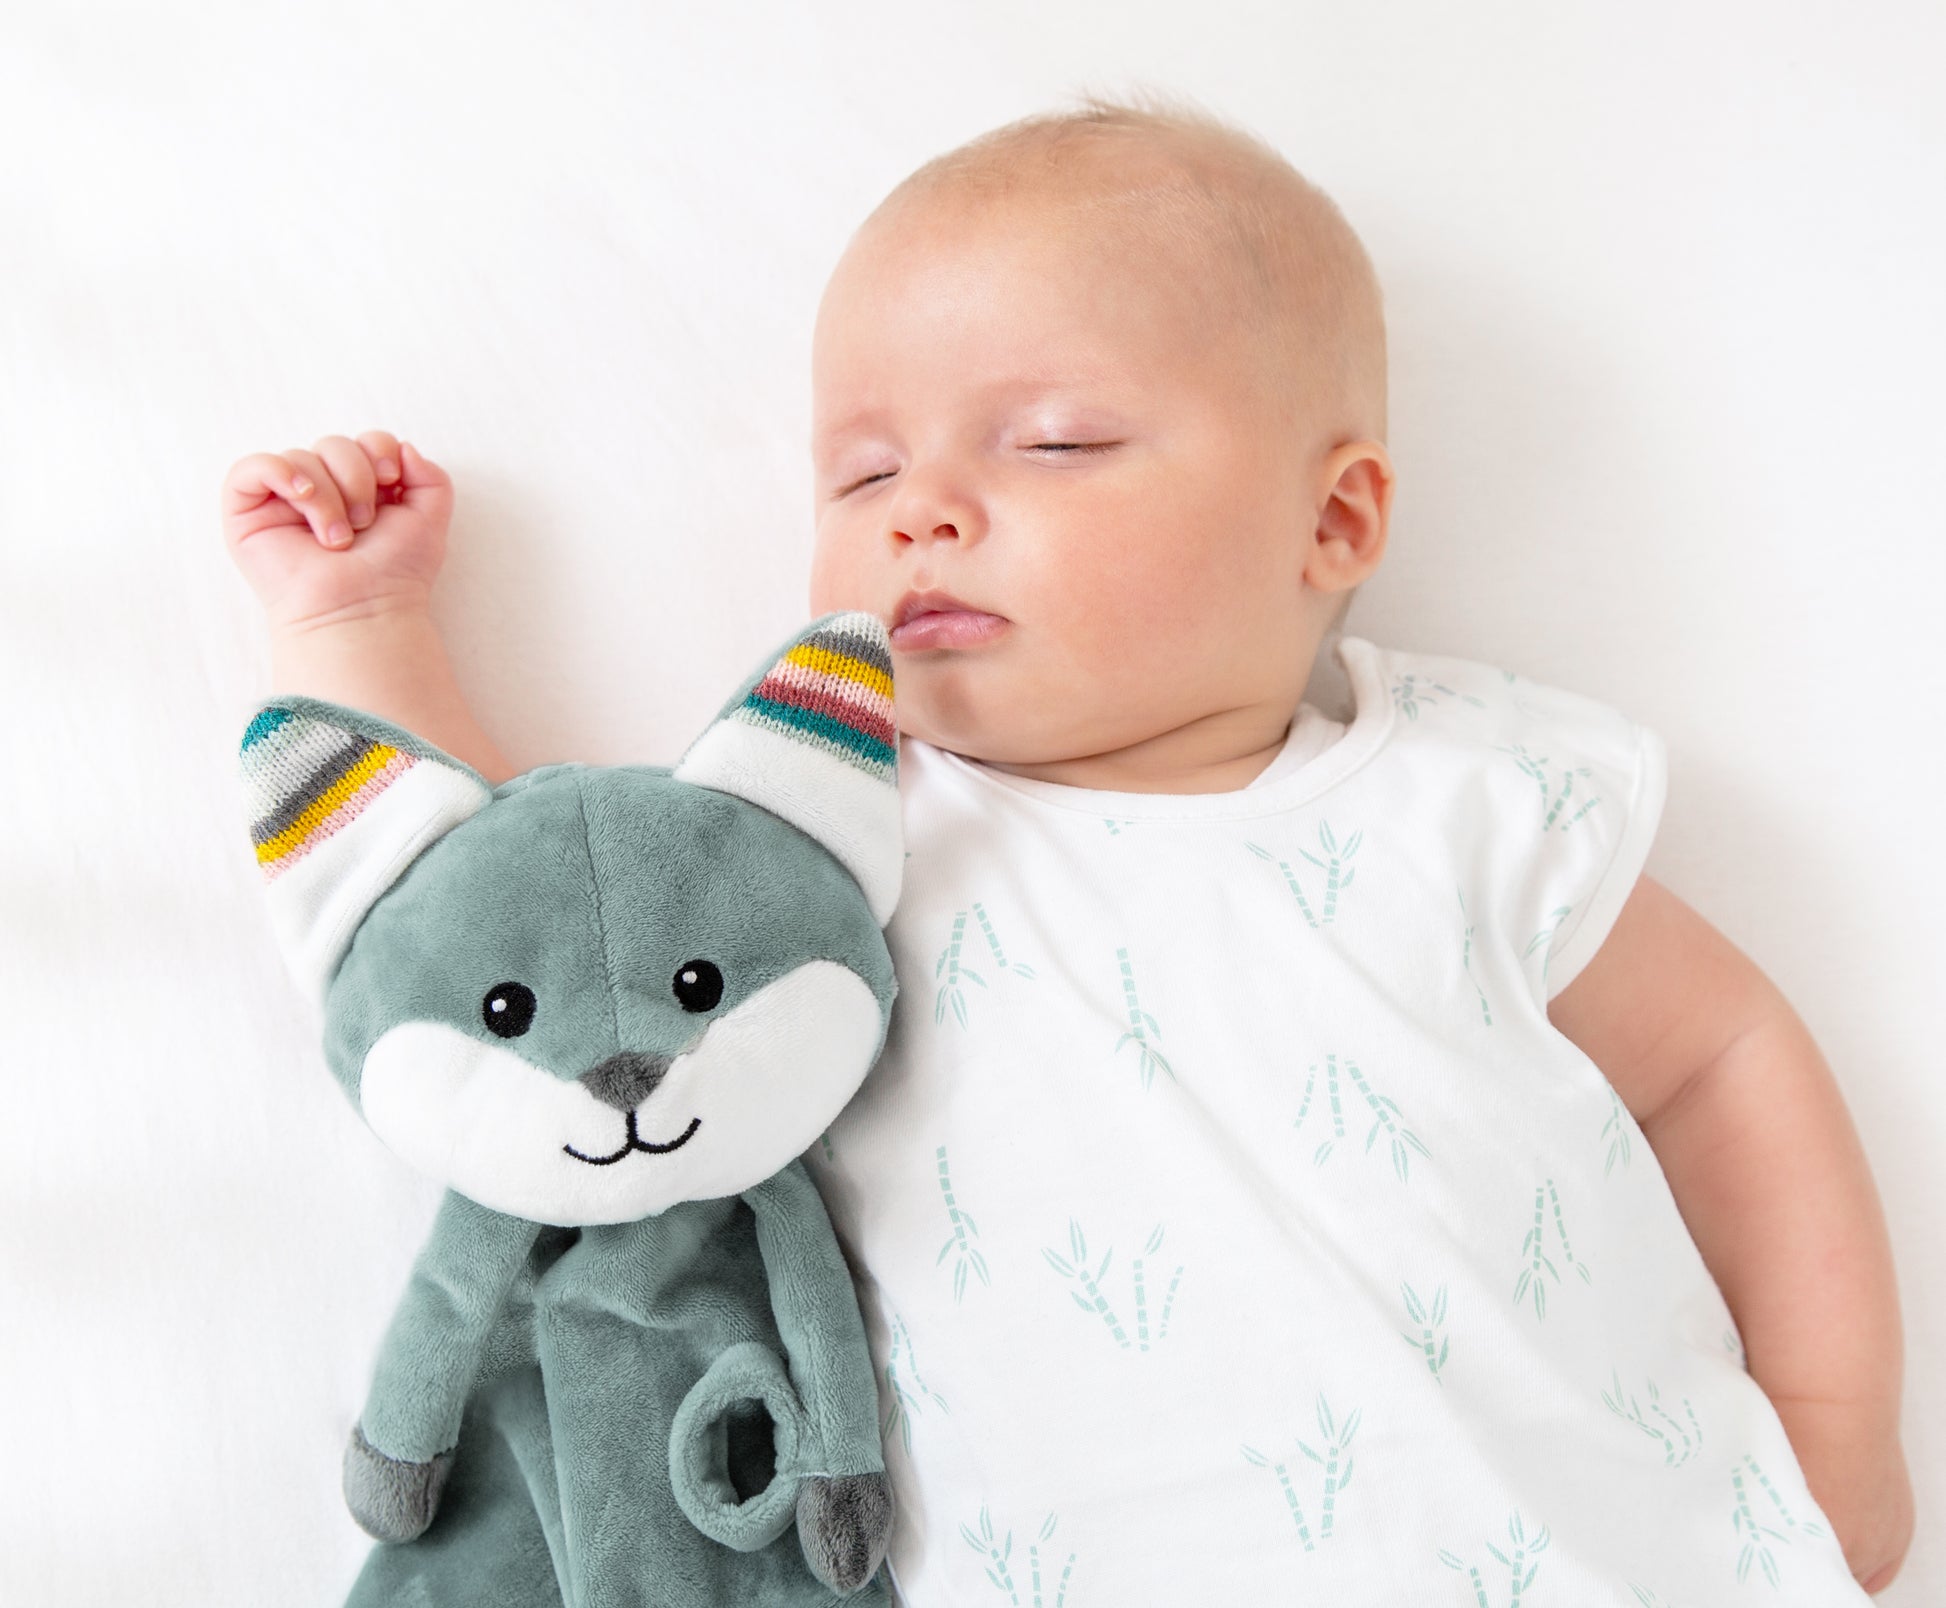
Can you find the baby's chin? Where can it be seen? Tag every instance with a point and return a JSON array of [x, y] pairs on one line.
[[1017, 732], [1000, 705], [958, 724]]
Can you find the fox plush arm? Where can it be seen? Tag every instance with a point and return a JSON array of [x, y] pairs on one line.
[[844, 1516], [817, 1315], [401, 1448]]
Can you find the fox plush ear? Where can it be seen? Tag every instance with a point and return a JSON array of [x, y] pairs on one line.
[[340, 804], [810, 738]]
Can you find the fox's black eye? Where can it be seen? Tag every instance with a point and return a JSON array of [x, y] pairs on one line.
[[508, 1009], [698, 985]]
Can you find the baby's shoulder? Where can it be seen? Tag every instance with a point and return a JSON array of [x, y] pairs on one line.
[[1473, 705]]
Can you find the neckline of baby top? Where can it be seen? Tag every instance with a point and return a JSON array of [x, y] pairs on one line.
[[1372, 722]]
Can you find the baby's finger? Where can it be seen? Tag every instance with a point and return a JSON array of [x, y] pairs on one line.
[[383, 448], [357, 482], [318, 498], [254, 480], [426, 488]]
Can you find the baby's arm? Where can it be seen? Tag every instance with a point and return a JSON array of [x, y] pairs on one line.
[[1752, 1133], [342, 545]]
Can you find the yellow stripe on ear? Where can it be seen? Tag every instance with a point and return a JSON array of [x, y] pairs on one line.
[[825, 662], [326, 802]]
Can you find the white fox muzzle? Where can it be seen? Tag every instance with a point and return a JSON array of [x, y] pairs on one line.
[[754, 1094]]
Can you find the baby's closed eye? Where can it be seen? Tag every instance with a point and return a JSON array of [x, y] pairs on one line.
[[856, 485]]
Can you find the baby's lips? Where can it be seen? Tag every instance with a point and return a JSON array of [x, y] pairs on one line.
[[948, 628]]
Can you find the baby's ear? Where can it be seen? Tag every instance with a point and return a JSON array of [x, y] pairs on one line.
[[810, 738], [340, 804]]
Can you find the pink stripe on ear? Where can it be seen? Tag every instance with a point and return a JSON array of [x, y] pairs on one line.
[[836, 696]]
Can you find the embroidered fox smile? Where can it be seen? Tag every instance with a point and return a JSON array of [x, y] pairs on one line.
[[635, 1143]]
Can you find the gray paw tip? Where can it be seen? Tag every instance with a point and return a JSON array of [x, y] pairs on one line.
[[390, 1499], [844, 1524]]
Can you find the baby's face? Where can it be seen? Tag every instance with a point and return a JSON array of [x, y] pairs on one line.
[[1068, 436]]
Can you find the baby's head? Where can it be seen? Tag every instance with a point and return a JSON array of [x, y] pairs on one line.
[[1115, 381]]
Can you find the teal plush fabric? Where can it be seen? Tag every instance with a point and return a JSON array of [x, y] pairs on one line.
[[580, 884], [562, 1487], [608, 1007]]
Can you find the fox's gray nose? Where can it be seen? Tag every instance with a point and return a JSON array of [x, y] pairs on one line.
[[624, 1081]]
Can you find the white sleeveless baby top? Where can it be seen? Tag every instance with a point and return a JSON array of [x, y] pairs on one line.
[[1233, 1227]]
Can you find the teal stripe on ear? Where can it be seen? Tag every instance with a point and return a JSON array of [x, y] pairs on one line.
[[817, 724], [267, 721], [340, 803]]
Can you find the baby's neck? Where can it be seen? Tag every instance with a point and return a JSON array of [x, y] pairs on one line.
[[1218, 753]]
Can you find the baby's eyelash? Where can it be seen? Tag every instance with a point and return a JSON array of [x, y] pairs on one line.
[[846, 491], [1032, 446]]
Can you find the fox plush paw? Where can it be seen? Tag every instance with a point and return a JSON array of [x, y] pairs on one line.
[[844, 1525], [391, 1500]]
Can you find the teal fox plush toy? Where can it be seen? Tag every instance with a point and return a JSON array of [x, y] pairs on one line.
[[608, 1008]]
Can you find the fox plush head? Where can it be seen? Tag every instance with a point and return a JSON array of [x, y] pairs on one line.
[[595, 991]]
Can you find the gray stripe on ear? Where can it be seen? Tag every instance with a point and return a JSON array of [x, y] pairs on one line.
[[857, 647], [330, 771]]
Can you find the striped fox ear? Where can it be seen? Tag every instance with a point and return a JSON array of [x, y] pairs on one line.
[[340, 804], [810, 738]]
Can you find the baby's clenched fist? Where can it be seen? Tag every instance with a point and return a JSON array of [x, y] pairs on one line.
[[349, 528]]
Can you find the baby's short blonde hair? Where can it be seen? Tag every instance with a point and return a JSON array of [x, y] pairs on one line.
[[1277, 244]]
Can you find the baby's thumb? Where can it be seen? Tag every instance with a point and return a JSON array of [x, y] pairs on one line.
[[423, 485]]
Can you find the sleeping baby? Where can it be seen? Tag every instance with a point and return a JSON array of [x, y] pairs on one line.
[[1309, 1160]]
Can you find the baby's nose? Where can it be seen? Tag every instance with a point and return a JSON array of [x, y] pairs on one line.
[[945, 530], [624, 1081]]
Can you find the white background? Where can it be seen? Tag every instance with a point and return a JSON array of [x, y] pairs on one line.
[[1664, 289]]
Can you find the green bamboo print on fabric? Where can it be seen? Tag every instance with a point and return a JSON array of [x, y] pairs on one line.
[[1114, 826], [1678, 1445], [905, 1403], [1466, 959], [1034, 1569], [998, 1558], [1520, 1571], [1336, 877], [1512, 677], [1411, 690], [1618, 1124], [1733, 1343], [1091, 1298], [959, 1244], [1385, 1111], [1546, 936], [1536, 1260], [1140, 1026], [1428, 1341], [1150, 1247], [1334, 1465], [1745, 1523], [824, 1142], [1016, 968], [954, 971], [1551, 803], [1648, 1598], [997, 1555]]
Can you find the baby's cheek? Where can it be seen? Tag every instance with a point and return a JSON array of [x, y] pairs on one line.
[[1159, 597], [839, 578]]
